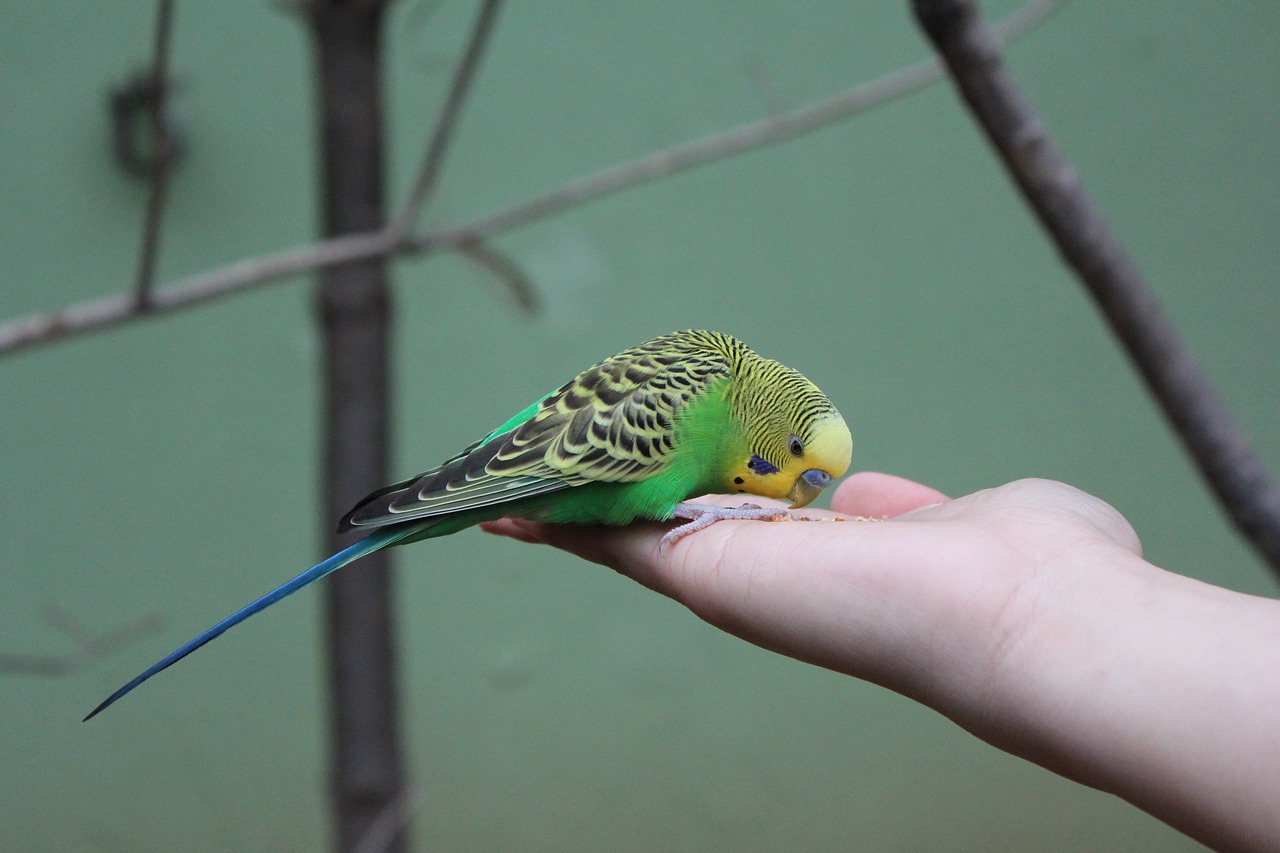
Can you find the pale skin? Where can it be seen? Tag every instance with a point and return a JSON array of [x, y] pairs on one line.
[[1025, 613]]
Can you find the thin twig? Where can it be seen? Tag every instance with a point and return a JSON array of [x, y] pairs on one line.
[[241, 276], [161, 156], [88, 645], [391, 821], [1087, 244], [722, 145], [507, 270], [103, 313], [765, 85], [688, 155], [446, 124]]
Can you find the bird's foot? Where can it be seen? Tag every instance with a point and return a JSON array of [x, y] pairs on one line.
[[701, 516]]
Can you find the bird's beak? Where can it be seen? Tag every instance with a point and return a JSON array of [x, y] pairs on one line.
[[808, 486]]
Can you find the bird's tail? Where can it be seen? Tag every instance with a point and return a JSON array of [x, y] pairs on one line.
[[375, 541]]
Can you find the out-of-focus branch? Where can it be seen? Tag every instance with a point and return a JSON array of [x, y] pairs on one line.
[[244, 275], [161, 156], [1054, 191], [241, 276], [355, 314], [429, 174], [506, 270], [720, 146], [391, 822], [88, 645]]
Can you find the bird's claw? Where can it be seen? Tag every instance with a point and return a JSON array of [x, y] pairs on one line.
[[700, 516]]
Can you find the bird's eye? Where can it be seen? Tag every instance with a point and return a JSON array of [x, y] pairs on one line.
[[796, 446]]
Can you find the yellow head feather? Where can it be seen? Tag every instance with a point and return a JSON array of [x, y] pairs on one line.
[[798, 441]]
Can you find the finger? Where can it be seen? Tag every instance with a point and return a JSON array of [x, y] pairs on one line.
[[513, 528], [872, 494], [1052, 496], [615, 547]]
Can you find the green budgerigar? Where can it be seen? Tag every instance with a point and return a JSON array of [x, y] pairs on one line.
[[632, 438]]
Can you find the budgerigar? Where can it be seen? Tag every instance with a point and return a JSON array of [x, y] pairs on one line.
[[632, 438]]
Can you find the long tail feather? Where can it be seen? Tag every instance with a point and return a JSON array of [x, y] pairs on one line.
[[375, 541]]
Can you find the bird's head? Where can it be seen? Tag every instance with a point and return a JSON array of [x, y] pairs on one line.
[[795, 457]]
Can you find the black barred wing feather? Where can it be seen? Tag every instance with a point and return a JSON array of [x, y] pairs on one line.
[[460, 484], [612, 423]]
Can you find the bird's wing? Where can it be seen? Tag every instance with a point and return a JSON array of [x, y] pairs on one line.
[[613, 423]]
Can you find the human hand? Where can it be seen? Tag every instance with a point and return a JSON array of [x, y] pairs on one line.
[[1025, 613], [922, 602]]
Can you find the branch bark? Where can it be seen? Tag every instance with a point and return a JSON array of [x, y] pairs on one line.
[[1086, 242], [354, 309]]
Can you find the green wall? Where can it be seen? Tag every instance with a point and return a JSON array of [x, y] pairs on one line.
[[170, 467]]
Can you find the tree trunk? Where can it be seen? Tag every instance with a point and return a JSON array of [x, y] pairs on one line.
[[353, 307]]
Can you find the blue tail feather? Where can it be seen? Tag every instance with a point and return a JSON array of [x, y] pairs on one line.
[[377, 540]]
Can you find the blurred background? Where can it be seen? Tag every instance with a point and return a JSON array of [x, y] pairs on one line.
[[170, 467]]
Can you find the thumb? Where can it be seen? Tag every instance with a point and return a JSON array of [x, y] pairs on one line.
[[875, 495]]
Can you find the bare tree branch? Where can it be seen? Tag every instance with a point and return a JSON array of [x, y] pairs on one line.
[[718, 146], [391, 821], [88, 645], [1088, 245], [402, 223], [240, 276], [244, 275], [507, 270], [161, 156]]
